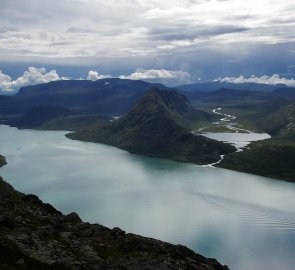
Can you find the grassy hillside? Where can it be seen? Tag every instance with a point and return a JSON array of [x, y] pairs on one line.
[[55, 118], [273, 158], [155, 127]]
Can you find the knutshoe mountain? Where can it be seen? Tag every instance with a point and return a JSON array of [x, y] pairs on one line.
[[156, 127]]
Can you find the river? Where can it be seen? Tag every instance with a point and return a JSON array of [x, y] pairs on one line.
[[243, 220]]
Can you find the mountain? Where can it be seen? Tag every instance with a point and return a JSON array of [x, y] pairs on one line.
[[154, 127], [38, 116], [286, 92], [271, 158], [226, 96], [281, 122], [55, 118], [212, 86], [34, 235], [107, 96]]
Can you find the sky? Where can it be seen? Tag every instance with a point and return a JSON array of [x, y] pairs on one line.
[[171, 41]]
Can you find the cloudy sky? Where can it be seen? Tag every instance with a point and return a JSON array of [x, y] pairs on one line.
[[176, 40]]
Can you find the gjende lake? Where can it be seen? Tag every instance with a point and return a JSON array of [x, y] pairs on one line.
[[243, 220]]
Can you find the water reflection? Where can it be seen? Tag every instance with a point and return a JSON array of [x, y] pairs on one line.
[[245, 221]]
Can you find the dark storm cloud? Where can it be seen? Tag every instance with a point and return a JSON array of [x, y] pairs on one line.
[[118, 37]]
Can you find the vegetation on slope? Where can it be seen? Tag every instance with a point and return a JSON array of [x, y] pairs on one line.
[[55, 118], [273, 158], [155, 127]]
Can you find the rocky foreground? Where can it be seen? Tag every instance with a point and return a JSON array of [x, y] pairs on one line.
[[34, 235]]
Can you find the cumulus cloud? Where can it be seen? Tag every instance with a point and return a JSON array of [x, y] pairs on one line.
[[160, 75], [39, 75], [31, 76], [94, 75], [274, 79]]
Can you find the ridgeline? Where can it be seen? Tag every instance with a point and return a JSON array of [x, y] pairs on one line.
[[156, 127]]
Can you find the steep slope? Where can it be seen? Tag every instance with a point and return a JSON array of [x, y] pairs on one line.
[[106, 96], [272, 158], [154, 128], [38, 116], [281, 122], [55, 118], [34, 235]]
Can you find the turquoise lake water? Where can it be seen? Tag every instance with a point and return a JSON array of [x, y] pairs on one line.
[[243, 220]]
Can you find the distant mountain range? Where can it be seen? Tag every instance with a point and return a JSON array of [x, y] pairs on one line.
[[113, 97], [156, 122], [107, 96], [212, 86]]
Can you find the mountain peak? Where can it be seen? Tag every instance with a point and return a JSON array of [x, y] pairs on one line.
[[156, 127]]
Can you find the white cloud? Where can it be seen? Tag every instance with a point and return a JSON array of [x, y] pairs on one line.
[[39, 75], [94, 75], [32, 76], [274, 79], [161, 75]]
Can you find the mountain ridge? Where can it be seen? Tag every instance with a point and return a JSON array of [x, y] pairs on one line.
[[155, 127]]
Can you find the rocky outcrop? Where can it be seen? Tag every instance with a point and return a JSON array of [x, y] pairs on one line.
[[2, 161], [34, 235]]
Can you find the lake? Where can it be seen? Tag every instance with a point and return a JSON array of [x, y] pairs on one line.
[[243, 220]]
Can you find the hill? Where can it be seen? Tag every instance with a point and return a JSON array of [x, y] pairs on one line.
[[55, 118], [154, 127], [107, 96], [212, 86], [286, 92], [273, 158], [38, 116], [229, 97], [280, 122]]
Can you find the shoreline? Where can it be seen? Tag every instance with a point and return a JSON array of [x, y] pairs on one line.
[[65, 242]]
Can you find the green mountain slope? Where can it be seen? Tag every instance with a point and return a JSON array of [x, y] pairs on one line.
[[281, 122], [155, 127], [273, 158], [55, 118]]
